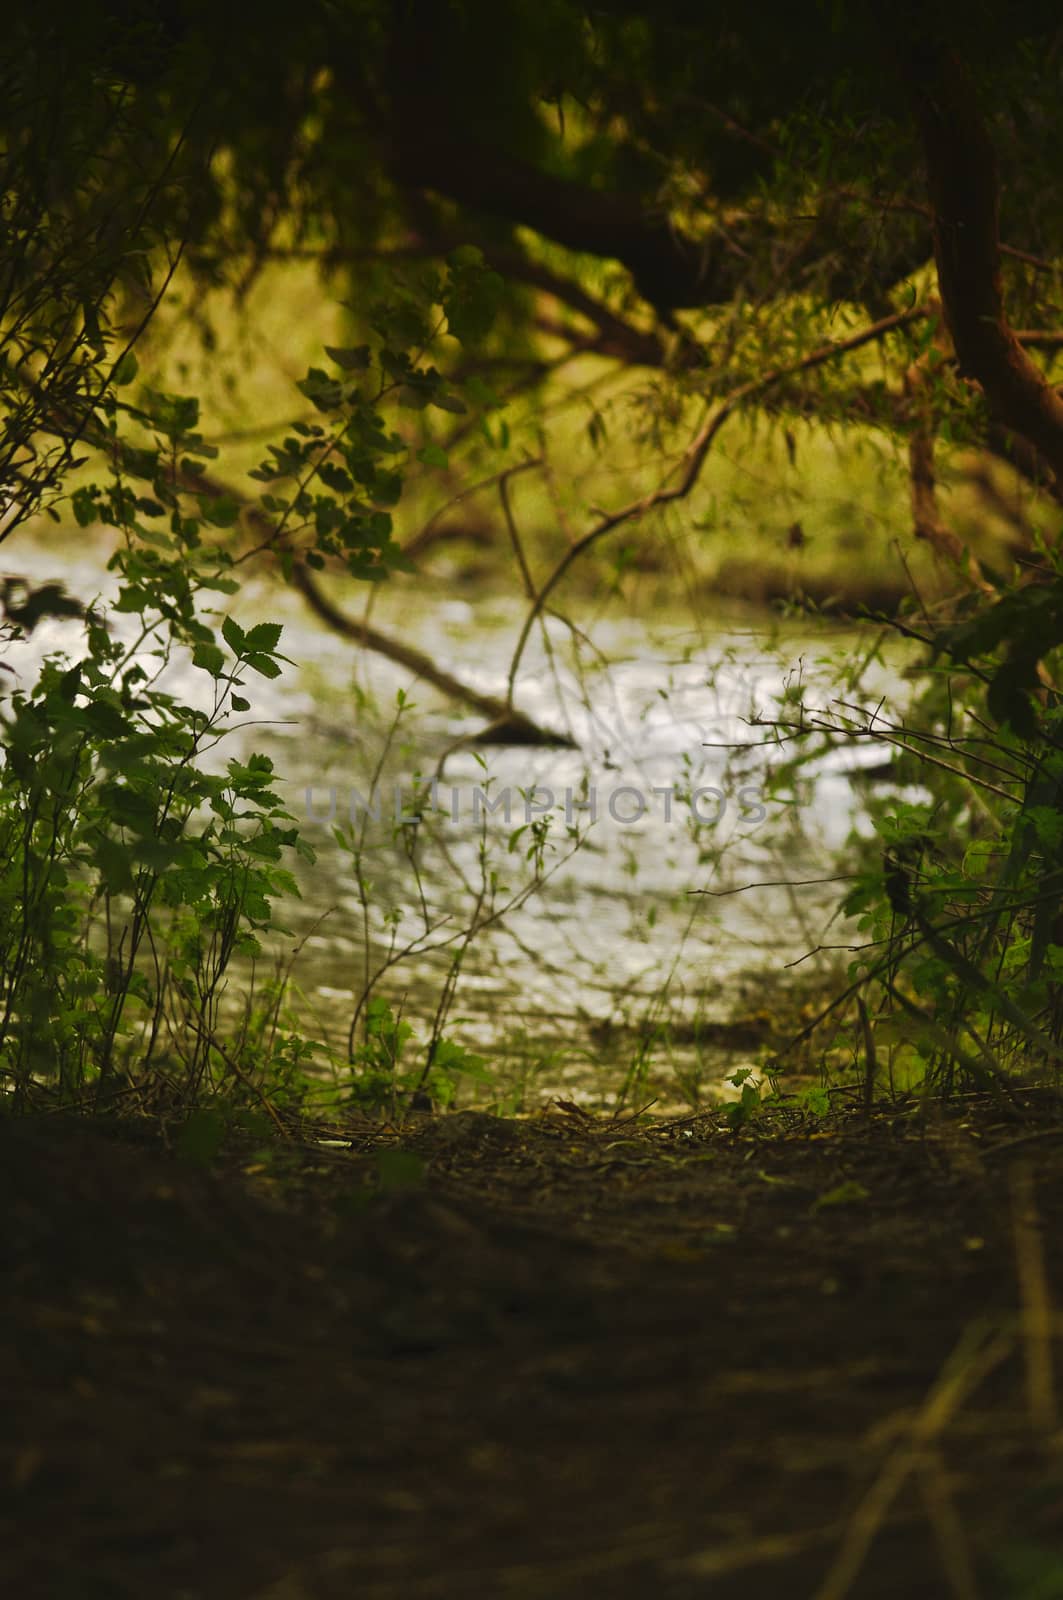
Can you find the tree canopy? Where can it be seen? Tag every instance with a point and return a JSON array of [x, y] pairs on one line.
[[670, 178], [826, 214]]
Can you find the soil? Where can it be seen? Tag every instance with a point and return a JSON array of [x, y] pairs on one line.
[[540, 1359]]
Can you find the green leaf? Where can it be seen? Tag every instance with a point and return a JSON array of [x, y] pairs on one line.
[[126, 370], [265, 636], [448, 402], [83, 505], [160, 857], [221, 513], [173, 415], [106, 720], [324, 391], [334, 477], [433, 455], [210, 657], [265, 665], [148, 507], [234, 636], [353, 359], [112, 859]]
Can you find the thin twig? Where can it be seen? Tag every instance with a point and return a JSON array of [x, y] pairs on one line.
[[691, 462], [974, 1357], [1037, 1316]]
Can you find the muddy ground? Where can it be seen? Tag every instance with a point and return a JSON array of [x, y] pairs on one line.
[[539, 1359]]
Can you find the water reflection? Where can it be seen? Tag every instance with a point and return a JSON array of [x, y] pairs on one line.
[[633, 933], [621, 939]]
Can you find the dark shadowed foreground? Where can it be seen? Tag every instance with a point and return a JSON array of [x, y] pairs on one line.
[[544, 1359]]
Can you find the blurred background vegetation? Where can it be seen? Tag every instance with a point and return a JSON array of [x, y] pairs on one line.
[[644, 348]]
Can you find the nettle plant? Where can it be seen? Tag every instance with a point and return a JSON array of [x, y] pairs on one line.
[[132, 869]]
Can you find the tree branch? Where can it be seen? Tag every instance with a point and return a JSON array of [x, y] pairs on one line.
[[693, 459], [506, 725], [964, 192], [617, 338]]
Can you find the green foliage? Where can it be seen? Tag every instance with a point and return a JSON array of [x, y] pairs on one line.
[[957, 902], [90, 175], [383, 1076], [348, 469], [751, 1099], [133, 871], [117, 843], [713, 214]]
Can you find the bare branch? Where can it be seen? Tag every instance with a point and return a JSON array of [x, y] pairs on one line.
[[693, 458], [506, 725]]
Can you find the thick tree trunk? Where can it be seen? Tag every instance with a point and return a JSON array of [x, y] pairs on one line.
[[965, 197]]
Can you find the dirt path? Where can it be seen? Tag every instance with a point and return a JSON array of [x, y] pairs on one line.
[[546, 1359]]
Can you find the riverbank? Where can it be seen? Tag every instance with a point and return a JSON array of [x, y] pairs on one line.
[[538, 1358]]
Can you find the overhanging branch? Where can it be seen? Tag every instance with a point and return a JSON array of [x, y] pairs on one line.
[[965, 196], [617, 338], [694, 456]]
